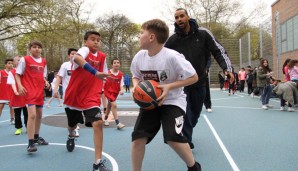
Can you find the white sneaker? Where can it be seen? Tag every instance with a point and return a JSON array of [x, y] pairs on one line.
[[264, 107], [60, 105], [269, 106], [282, 108], [290, 109], [106, 123], [12, 121], [209, 110], [252, 95], [48, 106], [120, 126]]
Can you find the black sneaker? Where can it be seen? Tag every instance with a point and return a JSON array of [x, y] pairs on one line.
[[31, 148], [100, 166], [70, 144], [196, 167], [40, 141]]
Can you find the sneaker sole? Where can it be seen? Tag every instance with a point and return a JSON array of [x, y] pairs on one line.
[[32, 151], [120, 127]]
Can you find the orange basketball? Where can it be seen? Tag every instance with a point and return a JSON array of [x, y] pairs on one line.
[[146, 93]]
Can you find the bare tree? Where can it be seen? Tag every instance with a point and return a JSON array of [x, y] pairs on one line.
[[117, 32]]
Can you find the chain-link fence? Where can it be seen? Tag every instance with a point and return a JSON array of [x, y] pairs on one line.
[[244, 50], [232, 48]]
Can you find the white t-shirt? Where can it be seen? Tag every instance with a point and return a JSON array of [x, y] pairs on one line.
[[10, 79], [165, 67], [22, 64], [65, 73]]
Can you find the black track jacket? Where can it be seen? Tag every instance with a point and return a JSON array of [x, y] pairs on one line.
[[196, 46]]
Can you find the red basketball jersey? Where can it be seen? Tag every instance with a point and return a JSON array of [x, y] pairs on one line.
[[4, 87], [112, 86], [16, 101], [83, 91], [113, 82], [33, 81]]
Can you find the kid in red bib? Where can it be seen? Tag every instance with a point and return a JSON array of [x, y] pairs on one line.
[[83, 94], [6, 89], [30, 77], [114, 85], [17, 102]]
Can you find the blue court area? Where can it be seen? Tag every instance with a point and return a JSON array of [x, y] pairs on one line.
[[237, 135]]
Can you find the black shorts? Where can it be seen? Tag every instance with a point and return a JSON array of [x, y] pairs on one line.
[[75, 116], [149, 121]]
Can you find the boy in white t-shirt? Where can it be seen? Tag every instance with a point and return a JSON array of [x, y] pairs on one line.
[[64, 75], [173, 72]]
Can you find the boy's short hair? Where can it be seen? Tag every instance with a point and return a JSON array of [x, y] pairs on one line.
[[70, 50], [115, 59], [157, 27], [8, 60], [34, 42], [88, 33]]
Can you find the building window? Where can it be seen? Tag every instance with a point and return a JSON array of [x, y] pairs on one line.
[[283, 38], [295, 27], [289, 35]]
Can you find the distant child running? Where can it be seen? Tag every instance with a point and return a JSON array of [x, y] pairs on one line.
[[114, 85], [17, 102], [173, 72], [83, 94], [30, 77]]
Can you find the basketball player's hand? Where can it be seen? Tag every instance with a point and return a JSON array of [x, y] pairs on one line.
[[47, 85], [22, 91], [165, 90], [16, 93], [102, 75], [121, 92]]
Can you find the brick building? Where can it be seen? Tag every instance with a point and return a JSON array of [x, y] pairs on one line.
[[284, 33]]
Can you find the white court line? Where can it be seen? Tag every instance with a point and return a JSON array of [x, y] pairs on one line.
[[112, 160], [224, 149]]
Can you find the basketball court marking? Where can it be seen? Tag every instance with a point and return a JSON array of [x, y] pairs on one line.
[[222, 146], [111, 159]]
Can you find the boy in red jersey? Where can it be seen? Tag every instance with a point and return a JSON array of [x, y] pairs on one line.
[[6, 89], [114, 85], [83, 94], [30, 77], [17, 102]]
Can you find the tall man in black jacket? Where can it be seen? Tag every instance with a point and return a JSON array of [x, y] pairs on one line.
[[196, 44]]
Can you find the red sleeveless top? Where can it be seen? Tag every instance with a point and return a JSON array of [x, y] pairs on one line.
[[33, 81], [84, 89], [16, 101], [5, 89]]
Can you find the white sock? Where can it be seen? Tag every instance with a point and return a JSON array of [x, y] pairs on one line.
[[98, 161]]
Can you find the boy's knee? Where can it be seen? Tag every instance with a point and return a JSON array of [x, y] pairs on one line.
[[97, 124], [139, 143]]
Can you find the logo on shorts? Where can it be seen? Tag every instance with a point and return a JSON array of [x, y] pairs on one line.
[[98, 115], [179, 124]]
